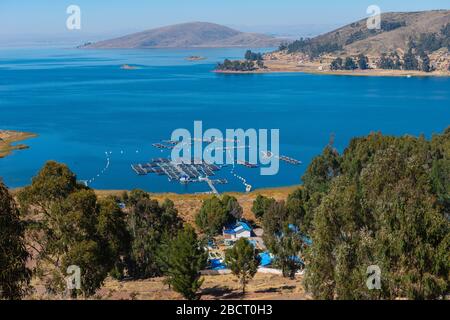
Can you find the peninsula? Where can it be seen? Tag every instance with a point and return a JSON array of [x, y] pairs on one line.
[[406, 44], [8, 138]]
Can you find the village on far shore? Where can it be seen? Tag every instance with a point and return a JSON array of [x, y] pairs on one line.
[[404, 44]]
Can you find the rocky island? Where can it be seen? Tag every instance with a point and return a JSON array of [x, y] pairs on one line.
[[195, 58]]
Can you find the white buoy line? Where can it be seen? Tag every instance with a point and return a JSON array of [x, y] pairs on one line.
[[108, 155], [248, 187], [103, 170]]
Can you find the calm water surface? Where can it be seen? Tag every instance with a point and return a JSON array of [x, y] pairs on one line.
[[81, 104]]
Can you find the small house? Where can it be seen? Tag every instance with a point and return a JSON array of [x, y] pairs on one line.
[[239, 230]]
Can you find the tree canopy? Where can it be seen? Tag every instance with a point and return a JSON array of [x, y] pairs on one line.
[[149, 223], [184, 257], [215, 213], [14, 274], [243, 261], [384, 203], [282, 236], [261, 205], [68, 226]]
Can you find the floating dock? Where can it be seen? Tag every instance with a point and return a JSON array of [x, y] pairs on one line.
[[138, 169], [162, 146], [189, 172], [171, 142], [181, 172], [247, 164], [290, 160]]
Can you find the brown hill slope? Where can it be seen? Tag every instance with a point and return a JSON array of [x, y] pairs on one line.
[[396, 31], [194, 34], [410, 25]]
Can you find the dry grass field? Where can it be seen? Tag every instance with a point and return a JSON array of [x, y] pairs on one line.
[[189, 204], [215, 287], [222, 287], [218, 287], [262, 287]]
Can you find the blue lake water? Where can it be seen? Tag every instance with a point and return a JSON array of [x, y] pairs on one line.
[[81, 104]]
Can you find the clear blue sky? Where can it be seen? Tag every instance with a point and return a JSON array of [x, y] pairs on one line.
[[100, 16]]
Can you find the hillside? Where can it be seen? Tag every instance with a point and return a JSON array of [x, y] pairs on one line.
[[194, 34], [396, 31], [407, 44]]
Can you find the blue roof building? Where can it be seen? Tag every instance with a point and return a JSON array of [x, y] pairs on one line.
[[306, 240], [265, 259], [238, 230]]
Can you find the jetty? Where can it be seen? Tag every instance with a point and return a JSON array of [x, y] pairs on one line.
[[290, 160], [210, 184], [247, 164], [162, 146], [176, 171], [184, 173], [138, 169]]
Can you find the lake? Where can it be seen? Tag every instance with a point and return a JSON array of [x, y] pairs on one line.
[[82, 104]]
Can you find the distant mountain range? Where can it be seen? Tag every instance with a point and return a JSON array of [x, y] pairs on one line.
[[188, 35]]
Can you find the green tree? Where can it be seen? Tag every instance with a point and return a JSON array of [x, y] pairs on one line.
[[215, 214], [260, 205], [387, 207], [283, 239], [232, 206], [184, 258], [391, 62], [337, 64], [14, 274], [363, 62], [410, 61], [132, 198], [113, 228], [426, 63], [322, 170], [148, 222], [75, 239], [316, 181], [253, 56], [295, 206], [67, 226], [243, 261], [350, 64], [334, 267]]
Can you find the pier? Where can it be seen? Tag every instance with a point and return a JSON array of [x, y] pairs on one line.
[[162, 146], [184, 173], [247, 164], [138, 169], [290, 160], [210, 184], [176, 170]]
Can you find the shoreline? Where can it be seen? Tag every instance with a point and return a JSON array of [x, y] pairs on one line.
[[356, 73], [175, 194], [279, 62], [8, 138], [188, 204], [118, 192]]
